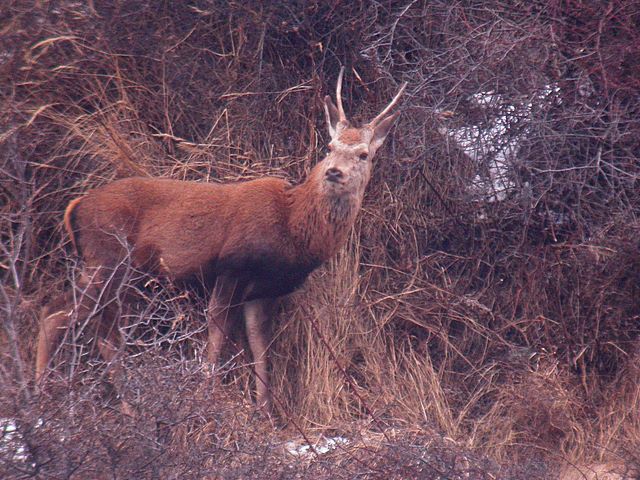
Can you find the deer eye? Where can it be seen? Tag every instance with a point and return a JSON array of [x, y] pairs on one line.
[[363, 155]]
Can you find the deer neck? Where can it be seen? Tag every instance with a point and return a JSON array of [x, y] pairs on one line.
[[319, 219]]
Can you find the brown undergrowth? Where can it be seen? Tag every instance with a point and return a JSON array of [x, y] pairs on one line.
[[483, 320]]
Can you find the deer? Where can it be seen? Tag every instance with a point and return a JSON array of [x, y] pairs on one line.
[[248, 242]]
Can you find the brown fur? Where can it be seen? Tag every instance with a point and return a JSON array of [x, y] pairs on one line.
[[160, 218], [247, 242], [351, 136]]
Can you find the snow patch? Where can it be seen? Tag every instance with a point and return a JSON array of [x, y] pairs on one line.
[[494, 146], [322, 446], [11, 441]]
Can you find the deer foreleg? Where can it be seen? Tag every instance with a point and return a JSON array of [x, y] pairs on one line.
[[256, 316]]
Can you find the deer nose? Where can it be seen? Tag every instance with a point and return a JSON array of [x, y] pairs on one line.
[[334, 174]]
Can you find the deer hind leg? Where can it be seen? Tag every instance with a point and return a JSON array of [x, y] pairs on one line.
[[110, 341], [220, 314], [117, 299], [52, 326], [117, 312], [72, 307], [256, 316]]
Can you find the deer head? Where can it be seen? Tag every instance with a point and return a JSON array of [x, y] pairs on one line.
[[347, 167]]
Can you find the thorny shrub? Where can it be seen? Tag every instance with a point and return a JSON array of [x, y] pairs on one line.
[[490, 290]]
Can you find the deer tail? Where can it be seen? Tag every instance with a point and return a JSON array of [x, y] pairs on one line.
[[69, 220]]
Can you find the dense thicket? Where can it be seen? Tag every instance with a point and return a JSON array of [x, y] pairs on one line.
[[491, 289]]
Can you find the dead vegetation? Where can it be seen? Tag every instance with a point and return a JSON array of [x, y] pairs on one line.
[[482, 323]]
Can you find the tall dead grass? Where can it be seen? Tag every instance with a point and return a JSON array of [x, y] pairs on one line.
[[509, 326]]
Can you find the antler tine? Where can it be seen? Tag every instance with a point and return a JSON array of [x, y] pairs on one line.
[[343, 117], [388, 108]]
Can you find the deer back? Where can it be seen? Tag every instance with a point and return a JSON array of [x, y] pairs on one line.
[[187, 229]]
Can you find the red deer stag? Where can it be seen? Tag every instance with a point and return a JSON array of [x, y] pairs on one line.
[[249, 242]]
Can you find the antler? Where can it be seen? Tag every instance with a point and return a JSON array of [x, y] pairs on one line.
[[343, 117], [388, 108]]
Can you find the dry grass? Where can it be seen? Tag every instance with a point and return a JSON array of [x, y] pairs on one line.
[[492, 339]]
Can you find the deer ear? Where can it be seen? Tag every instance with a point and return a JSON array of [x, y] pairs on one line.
[[381, 130], [332, 116]]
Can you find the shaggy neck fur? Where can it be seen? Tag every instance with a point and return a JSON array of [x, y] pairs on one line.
[[320, 218]]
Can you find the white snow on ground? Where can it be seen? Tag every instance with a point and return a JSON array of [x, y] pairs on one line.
[[12, 446], [11, 440], [323, 445], [494, 147]]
